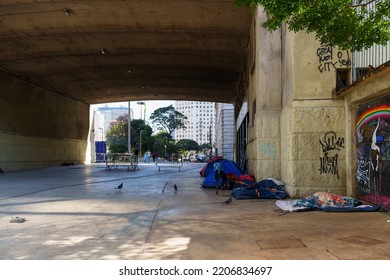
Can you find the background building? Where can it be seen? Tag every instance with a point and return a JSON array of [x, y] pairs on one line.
[[103, 116], [200, 122], [224, 130]]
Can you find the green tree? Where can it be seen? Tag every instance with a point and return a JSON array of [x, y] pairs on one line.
[[344, 23], [162, 139], [117, 135], [204, 148], [187, 145], [168, 119], [141, 132]]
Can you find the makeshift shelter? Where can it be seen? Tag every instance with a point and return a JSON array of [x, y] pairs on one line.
[[216, 171], [209, 166]]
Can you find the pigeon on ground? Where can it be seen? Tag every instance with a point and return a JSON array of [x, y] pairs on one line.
[[17, 220], [228, 201], [120, 186], [175, 187]]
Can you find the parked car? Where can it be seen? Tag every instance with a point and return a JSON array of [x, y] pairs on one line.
[[200, 158]]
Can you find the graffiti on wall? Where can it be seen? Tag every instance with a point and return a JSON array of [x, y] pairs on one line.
[[373, 151], [328, 60], [330, 145]]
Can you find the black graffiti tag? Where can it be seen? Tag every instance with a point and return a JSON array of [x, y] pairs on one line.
[[324, 53], [331, 142], [344, 62], [325, 58], [329, 165], [326, 66]]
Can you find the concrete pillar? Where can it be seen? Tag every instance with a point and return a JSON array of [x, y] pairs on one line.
[[264, 101]]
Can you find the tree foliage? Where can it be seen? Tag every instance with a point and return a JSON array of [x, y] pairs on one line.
[[147, 141], [117, 135], [187, 145], [168, 119], [163, 139], [204, 148], [348, 24]]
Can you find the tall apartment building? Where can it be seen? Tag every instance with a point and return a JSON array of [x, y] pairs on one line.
[[224, 130], [200, 122]]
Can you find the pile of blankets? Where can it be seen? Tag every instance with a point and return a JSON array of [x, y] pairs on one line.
[[267, 188], [326, 202]]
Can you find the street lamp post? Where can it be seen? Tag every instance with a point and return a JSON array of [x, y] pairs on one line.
[[140, 143], [140, 103], [165, 147], [129, 131]]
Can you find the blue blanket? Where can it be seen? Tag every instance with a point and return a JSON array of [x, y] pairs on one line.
[[266, 189]]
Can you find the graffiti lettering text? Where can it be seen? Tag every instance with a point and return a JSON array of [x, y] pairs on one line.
[[328, 165]]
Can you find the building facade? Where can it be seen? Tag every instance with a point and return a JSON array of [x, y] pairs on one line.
[[224, 130], [200, 122]]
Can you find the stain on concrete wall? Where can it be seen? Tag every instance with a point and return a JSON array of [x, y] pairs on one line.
[[268, 150]]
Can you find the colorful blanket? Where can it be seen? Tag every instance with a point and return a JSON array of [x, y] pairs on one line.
[[322, 199], [326, 202]]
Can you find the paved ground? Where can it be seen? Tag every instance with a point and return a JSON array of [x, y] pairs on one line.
[[75, 212]]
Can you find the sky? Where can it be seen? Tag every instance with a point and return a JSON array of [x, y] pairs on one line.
[[150, 106]]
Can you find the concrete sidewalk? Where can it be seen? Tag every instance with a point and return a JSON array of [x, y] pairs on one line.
[[75, 212]]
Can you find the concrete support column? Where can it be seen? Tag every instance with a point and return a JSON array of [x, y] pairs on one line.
[[313, 120], [264, 102]]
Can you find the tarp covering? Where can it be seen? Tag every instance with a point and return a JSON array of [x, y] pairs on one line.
[[209, 166], [217, 170], [265, 189]]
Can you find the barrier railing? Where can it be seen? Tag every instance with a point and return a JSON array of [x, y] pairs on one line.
[[113, 161], [174, 162]]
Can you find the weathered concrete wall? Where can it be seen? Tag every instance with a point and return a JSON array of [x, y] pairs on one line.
[[297, 127], [312, 121], [313, 149], [39, 128], [264, 101]]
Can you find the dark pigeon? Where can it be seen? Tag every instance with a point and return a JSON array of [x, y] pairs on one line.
[[228, 201]]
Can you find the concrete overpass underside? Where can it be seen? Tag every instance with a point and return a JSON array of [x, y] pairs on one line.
[[58, 57]]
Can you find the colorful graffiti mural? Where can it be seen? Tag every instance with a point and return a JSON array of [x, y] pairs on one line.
[[373, 151]]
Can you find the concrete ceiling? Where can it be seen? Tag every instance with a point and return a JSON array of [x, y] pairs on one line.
[[119, 50]]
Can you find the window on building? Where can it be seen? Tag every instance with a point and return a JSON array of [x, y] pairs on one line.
[[342, 79]]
